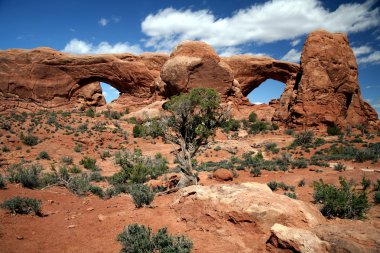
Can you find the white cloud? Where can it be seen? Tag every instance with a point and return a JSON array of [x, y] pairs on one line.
[[257, 103], [76, 46], [361, 50], [228, 51], [294, 43], [261, 23], [103, 22], [373, 58], [368, 87], [368, 100], [293, 56]]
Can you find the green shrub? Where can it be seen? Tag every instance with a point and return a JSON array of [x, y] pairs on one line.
[[96, 176], [304, 138], [299, 163], [67, 160], [29, 139], [19, 205], [339, 167], [78, 148], [137, 238], [272, 147], [301, 183], [5, 149], [365, 154], [291, 195], [252, 117], [74, 169], [90, 113], [217, 148], [289, 131], [44, 155], [257, 127], [366, 183], [3, 183], [79, 185], [141, 195], [104, 154], [272, 185], [96, 190], [48, 178], [341, 202], [376, 197], [256, 172], [138, 131], [376, 186], [230, 125], [28, 176], [89, 163], [333, 130]]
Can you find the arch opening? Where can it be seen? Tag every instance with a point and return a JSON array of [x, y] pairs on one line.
[[268, 90], [109, 93]]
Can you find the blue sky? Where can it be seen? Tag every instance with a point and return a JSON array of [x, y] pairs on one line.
[[275, 28]]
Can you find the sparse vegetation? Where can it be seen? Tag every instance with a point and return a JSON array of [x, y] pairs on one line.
[[141, 195], [20, 205], [3, 183], [138, 238], [29, 139], [89, 163], [342, 202], [44, 155]]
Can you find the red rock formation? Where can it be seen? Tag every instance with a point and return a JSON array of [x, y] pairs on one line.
[[328, 91], [195, 64], [50, 78], [324, 89]]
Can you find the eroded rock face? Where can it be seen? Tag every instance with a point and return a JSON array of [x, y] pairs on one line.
[[323, 90], [195, 64], [50, 78], [328, 91]]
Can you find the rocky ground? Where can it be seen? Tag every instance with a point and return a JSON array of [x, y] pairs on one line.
[[231, 210]]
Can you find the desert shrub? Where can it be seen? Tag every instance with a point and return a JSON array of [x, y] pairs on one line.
[[299, 163], [82, 128], [96, 190], [376, 186], [104, 154], [2, 182], [96, 177], [44, 155], [272, 147], [289, 131], [74, 169], [291, 195], [5, 149], [29, 139], [79, 185], [138, 238], [341, 202], [256, 172], [67, 160], [19, 205], [252, 117], [217, 148], [339, 167], [6, 126], [141, 195], [136, 168], [319, 142], [376, 197], [89, 163], [272, 185], [138, 131], [258, 126], [90, 113], [333, 130], [304, 138], [78, 148], [28, 175], [365, 154], [48, 178], [366, 183], [230, 125], [301, 183]]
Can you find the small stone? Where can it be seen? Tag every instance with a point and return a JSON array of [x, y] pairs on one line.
[[101, 217], [90, 209], [19, 237], [72, 226], [50, 201]]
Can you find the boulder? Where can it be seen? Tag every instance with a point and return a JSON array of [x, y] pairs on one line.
[[297, 240], [223, 175]]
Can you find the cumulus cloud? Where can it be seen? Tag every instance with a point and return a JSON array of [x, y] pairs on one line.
[[373, 58], [257, 103], [76, 46], [103, 22], [361, 50], [293, 56], [261, 23]]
